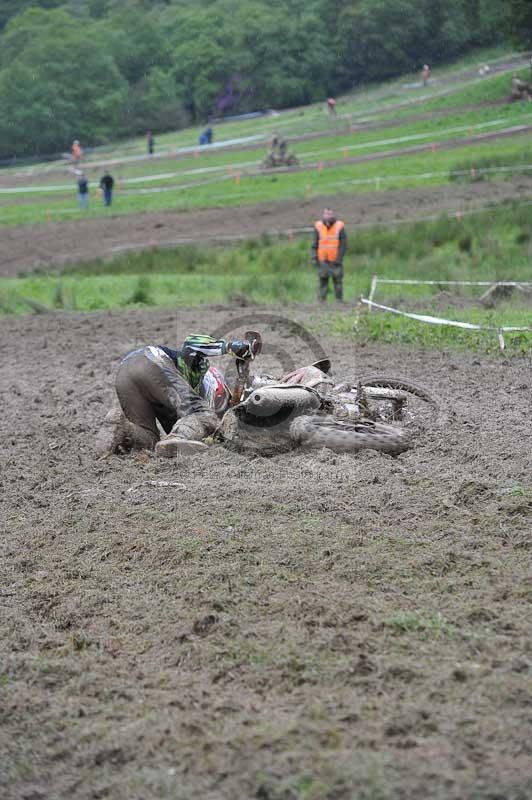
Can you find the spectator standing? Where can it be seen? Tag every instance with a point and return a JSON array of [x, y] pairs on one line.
[[150, 142], [205, 136], [328, 250], [425, 74], [76, 151], [106, 185], [83, 192]]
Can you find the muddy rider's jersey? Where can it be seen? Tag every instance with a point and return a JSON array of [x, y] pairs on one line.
[[192, 360]]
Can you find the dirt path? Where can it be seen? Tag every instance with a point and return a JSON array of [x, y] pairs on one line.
[[323, 626], [51, 245]]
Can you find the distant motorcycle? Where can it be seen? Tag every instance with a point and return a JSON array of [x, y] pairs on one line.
[[274, 160]]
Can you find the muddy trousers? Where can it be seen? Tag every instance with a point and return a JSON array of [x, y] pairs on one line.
[[327, 270], [152, 389]]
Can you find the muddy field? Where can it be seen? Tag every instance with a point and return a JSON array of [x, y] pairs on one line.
[[319, 627], [49, 245]]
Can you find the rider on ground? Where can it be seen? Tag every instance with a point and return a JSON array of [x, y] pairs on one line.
[[158, 384]]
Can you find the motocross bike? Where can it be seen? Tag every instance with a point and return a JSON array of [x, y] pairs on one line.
[[306, 408], [273, 160]]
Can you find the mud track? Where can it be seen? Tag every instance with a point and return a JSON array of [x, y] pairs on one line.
[[52, 245], [317, 627]]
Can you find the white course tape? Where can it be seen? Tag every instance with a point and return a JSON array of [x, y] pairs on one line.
[[441, 321], [452, 283], [161, 176]]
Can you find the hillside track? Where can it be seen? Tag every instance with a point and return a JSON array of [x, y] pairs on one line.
[[343, 124], [52, 245]]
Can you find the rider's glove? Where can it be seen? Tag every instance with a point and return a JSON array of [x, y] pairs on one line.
[[240, 348]]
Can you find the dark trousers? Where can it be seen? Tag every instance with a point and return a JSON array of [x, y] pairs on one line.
[[327, 270], [150, 388], [107, 196]]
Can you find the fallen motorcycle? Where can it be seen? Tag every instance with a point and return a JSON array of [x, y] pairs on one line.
[[306, 408]]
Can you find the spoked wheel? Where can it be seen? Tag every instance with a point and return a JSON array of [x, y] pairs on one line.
[[420, 405], [348, 437]]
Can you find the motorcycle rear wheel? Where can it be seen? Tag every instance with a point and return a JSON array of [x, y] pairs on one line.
[[348, 437]]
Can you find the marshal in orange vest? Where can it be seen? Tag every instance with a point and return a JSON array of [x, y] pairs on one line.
[[329, 240]]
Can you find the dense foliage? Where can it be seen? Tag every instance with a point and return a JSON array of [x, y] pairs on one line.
[[101, 69], [520, 22]]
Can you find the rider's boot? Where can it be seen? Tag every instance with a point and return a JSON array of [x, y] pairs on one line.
[[186, 435], [118, 435]]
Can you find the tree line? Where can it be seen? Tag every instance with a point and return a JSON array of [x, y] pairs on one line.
[[98, 70]]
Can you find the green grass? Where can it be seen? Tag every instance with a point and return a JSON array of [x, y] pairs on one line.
[[384, 327], [487, 246], [209, 165], [485, 90], [401, 172]]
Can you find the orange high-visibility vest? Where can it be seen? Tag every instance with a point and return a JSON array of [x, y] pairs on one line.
[[329, 241]]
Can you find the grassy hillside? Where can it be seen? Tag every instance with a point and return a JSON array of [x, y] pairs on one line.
[[452, 109]]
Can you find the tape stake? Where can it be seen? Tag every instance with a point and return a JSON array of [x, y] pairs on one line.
[[320, 166], [473, 173], [48, 215], [290, 235], [433, 147], [372, 290], [237, 178], [501, 339]]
